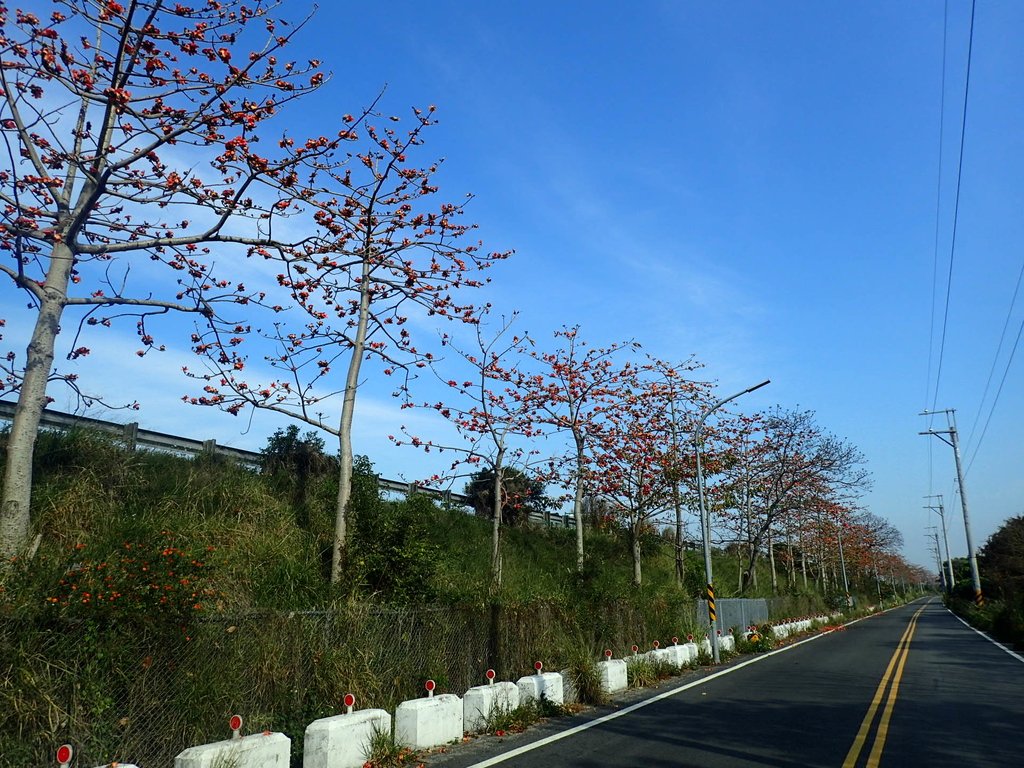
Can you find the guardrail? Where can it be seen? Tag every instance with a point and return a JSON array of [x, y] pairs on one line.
[[134, 437]]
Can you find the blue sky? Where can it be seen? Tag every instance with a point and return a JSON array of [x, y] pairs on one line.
[[753, 184]]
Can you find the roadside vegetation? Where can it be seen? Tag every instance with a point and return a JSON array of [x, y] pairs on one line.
[[1001, 563], [168, 592]]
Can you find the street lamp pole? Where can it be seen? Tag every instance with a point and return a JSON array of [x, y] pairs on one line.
[[705, 516]]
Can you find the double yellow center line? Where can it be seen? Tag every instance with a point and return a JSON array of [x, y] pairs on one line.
[[893, 674]]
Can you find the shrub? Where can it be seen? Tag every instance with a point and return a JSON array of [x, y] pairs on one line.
[[157, 581], [585, 677]]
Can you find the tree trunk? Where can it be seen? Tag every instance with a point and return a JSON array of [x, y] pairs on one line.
[[771, 559], [791, 565], [496, 522], [680, 557], [677, 503], [803, 557], [339, 547], [637, 576], [739, 569], [15, 520], [577, 504]]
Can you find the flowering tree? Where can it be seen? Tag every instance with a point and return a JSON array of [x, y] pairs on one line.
[[571, 393], [131, 133], [377, 253], [490, 412], [685, 399], [632, 462], [791, 459]]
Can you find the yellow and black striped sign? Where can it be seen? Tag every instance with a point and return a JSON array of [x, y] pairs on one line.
[[979, 599], [712, 613]]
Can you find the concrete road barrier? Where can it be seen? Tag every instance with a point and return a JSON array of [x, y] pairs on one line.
[[614, 675], [342, 741], [259, 750], [545, 684], [481, 701], [429, 722]]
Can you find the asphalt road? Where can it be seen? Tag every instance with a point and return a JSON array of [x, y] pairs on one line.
[[910, 687]]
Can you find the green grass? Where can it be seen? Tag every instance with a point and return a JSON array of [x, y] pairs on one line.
[[415, 602]]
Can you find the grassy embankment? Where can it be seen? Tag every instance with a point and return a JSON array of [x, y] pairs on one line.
[[167, 593]]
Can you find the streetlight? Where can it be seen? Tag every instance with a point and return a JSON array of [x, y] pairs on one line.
[[705, 516]]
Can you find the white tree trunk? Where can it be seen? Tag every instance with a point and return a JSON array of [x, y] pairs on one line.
[[637, 575], [496, 523], [345, 459], [803, 557], [577, 504], [15, 520]]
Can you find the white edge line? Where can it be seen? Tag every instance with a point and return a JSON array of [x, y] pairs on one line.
[[992, 640], [641, 704]]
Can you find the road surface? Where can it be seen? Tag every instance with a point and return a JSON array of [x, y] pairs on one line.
[[910, 687]]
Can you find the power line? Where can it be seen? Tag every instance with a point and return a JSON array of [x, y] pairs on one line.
[[995, 360], [996, 400], [956, 208], [938, 206], [938, 212]]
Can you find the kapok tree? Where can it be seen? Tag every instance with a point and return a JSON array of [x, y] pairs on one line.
[[570, 393], [685, 398], [489, 410], [794, 456], [132, 184], [379, 250], [632, 460]]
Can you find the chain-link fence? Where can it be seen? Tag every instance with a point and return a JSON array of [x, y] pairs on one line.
[[742, 612], [734, 612], [140, 694]]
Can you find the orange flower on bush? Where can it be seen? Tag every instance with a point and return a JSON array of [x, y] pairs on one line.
[[154, 581]]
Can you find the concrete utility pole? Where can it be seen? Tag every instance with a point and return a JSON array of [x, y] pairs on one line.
[[938, 558], [705, 516], [945, 538], [954, 441]]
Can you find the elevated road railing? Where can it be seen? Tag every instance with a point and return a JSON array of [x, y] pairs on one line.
[[134, 437]]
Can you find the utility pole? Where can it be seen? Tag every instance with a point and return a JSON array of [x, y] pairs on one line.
[[943, 579], [705, 515], [945, 538], [954, 441]]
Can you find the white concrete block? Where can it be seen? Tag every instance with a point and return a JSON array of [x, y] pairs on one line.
[[614, 675], [661, 656], [680, 655], [429, 722], [547, 684], [259, 750], [343, 741], [480, 702], [727, 643], [705, 644], [691, 651]]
